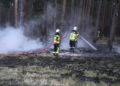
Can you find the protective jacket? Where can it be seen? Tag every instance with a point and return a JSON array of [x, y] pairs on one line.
[[57, 38], [73, 36]]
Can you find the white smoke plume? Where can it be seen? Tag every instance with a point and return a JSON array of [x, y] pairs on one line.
[[14, 40], [117, 48]]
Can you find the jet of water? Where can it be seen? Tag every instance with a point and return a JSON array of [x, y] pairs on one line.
[[94, 48]]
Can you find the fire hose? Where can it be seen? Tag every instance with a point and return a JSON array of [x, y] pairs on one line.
[[43, 49], [47, 47]]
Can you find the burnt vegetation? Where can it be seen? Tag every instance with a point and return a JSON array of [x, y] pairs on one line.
[[79, 68], [89, 16]]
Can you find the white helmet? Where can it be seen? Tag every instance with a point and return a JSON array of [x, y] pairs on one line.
[[75, 28], [57, 30]]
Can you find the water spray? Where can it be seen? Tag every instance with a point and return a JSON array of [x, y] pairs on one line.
[[87, 42]]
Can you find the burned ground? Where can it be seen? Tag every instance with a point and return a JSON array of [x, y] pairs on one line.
[[34, 69]]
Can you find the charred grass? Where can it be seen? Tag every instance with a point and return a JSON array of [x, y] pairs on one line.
[[47, 70]]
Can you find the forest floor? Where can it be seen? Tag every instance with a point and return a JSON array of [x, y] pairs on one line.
[[85, 67], [44, 69]]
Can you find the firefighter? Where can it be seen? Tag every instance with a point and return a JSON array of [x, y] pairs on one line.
[[73, 38], [99, 34], [57, 42]]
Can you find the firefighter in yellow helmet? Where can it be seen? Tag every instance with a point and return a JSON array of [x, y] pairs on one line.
[[57, 39], [73, 38]]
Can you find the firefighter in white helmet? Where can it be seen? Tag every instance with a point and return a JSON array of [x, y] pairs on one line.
[[57, 39], [73, 38]]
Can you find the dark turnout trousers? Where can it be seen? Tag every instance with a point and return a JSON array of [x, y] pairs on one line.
[[56, 49], [72, 44]]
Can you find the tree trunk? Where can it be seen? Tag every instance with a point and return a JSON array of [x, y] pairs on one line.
[[92, 8], [64, 10], [0, 13], [54, 20], [103, 17], [72, 12], [21, 13], [114, 24], [98, 14], [16, 13], [83, 16]]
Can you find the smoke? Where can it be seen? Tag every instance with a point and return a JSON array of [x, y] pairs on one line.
[[117, 48], [42, 27], [29, 37], [14, 40]]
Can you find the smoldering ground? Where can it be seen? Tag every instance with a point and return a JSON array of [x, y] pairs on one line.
[[14, 40], [40, 30]]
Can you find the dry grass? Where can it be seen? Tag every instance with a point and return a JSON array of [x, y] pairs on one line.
[[34, 70]]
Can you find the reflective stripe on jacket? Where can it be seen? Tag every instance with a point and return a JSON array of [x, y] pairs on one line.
[[57, 39], [73, 36]]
